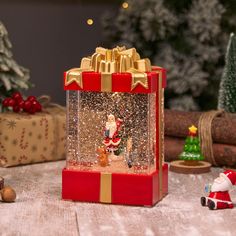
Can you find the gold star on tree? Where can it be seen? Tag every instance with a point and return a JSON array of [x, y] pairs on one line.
[[193, 129]]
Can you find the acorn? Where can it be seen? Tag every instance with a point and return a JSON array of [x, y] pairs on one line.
[[8, 194]]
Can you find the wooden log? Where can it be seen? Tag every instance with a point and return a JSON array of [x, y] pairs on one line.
[[223, 127], [225, 155]]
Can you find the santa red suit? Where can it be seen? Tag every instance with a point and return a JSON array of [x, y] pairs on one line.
[[219, 197], [111, 133]]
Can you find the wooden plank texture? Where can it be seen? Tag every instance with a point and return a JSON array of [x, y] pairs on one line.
[[39, 209]]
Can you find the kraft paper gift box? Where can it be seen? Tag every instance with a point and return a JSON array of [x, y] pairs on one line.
[[26, 138]]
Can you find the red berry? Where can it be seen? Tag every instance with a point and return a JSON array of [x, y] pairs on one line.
[[17, 96], [21, 104], [31, 98], [16, 108], [27, 106], [32, 110], [11, 102], [5, 102], [19, 100], [37, 106]]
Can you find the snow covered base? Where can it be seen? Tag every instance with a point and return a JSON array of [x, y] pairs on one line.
[[40, 210]]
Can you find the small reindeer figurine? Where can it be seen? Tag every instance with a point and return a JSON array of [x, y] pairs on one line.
[[103, 157]]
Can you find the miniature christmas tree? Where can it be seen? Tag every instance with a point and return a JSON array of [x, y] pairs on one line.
[[191, 159], [227, 92], [192, 150], [12, 76]]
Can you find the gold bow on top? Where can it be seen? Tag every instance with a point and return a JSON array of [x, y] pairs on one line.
[[108, 61]]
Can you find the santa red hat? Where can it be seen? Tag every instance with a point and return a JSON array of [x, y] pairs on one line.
[[230, 176]]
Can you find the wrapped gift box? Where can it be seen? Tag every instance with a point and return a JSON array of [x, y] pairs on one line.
[[26, 138], [115, 132]]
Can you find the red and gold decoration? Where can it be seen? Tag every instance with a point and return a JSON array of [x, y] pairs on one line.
[[115, 70], [128, 167]]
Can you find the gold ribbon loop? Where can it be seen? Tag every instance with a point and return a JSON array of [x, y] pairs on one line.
[[95, 62], [125, 63], [85, 63], [138, 78], [108, 61], [74, 75], [107, 67], [101, 50], [143, 65]]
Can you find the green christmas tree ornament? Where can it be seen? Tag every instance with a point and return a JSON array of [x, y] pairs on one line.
[[192, 151], [191, 159], [227, 92]]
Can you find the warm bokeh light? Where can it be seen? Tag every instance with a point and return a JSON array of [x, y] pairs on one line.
[[125, 5], [89, 21]]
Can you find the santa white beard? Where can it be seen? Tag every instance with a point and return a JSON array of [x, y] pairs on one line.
[[221, 184], [111, 126]]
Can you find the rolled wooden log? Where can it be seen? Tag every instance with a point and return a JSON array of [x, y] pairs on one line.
[[223, 127], [224, 154]]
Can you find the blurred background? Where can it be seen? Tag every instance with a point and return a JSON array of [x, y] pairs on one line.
[[187, 37]]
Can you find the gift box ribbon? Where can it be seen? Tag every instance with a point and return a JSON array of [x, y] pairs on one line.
[[108, 61], [47, 105], [105, 187]]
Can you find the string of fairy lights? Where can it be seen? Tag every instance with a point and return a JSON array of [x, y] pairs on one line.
[[90, 21]]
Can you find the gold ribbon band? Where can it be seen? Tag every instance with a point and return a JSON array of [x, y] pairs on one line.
[[161, 134], [105, 187], [106, 82], [108, 61]]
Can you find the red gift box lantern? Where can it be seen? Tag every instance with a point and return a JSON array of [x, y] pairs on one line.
[[115, 130]]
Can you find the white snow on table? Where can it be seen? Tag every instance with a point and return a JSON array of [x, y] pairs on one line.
[[39, 209]]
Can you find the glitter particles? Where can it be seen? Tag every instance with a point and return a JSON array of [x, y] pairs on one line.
[[87, 114]]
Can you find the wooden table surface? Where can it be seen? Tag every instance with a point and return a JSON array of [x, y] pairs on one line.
[[39, 209]]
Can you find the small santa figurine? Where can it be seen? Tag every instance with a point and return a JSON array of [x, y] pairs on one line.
[[111, 134], [219, 197]]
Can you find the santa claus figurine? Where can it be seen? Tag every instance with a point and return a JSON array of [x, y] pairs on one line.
[[219, 197], [111, 133]]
